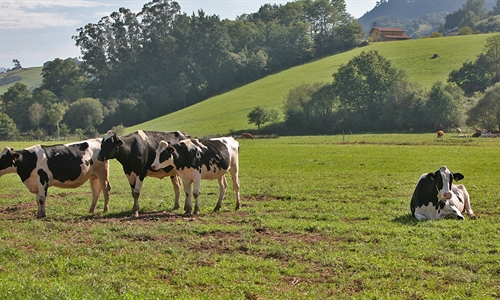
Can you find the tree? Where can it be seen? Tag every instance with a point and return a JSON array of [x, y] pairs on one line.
[[56, 114], [444, 106], [492, 53], [17, 64], [63, 78], [8, 129], [259, 116], [16, 100], [486, 112], [36, 113], [84, 113], [362, 86]]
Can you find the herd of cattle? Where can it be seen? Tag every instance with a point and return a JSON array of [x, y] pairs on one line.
[[159, 154]]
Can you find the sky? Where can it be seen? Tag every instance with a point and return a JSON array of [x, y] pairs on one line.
[[37, 31]]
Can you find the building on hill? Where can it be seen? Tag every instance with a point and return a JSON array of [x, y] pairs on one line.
[[386, 34]]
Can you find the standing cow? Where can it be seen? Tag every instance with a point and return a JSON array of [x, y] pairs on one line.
[[436, 197], [196, 159], [440, 134], [63, 166], [136, 153]]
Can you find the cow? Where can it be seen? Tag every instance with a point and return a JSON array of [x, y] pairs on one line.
[[440, 134], [195, 159], [436, 197], [246, 135], [458, 130], [136, 152], [64, 166]]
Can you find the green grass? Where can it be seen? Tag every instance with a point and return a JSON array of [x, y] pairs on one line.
[[31, 77], [227, 112], [324, 217]]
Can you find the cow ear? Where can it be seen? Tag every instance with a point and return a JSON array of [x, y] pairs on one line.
[[430, 176], [15, 157], [119, 142], [458, 176], [171, 149]]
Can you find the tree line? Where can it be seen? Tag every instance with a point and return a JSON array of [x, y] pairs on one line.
[[138, 66]]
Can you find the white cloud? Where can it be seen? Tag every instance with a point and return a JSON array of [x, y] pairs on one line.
[[37, 14]]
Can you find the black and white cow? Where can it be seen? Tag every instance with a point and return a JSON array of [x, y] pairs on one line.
[[436, 197], [63, 166], [136, 153], [196, 159]]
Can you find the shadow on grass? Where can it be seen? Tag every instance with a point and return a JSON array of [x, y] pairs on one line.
[[407, 219]]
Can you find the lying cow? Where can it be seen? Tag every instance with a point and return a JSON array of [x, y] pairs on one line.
[[136, 153], [436, 197], [201, 159], [63, 166]]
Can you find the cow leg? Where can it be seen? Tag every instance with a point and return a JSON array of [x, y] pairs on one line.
[[468, 208], [105, 186], [420, 217], [187, 204], [236, 185], [135, 184], [96, 190], [177, 190], [40, 199], [222, 191], [196, 194]]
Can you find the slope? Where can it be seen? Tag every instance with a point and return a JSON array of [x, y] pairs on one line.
[[227, 112], [31, 77]]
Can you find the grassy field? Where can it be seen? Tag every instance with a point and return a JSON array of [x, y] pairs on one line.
[[31, 77], [228, 112], [324, 217]]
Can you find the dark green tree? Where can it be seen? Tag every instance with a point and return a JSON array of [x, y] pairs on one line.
[[362, 86], [260, 116], [63, 78], [444, 106], [486, 112], [8, 129], [84, 113], [17, 100]]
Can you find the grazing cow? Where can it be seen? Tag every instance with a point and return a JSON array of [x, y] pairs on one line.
[[436, 197], [247, 135], [63, 166], [201, 159], [440, 134], [136, 153], [458, 130]]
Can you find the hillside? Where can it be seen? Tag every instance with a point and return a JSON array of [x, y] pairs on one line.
[[408, 9], [31, 77], [227, 112]]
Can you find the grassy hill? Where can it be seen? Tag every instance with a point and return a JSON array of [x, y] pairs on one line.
[[227, 112], [31, 77]]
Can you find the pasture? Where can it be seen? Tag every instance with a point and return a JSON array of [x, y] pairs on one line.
[[322, 217]]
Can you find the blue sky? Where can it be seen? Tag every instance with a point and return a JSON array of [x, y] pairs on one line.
[[36, 31]]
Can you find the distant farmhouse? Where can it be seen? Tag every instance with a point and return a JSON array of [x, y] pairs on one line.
[[387, 34]]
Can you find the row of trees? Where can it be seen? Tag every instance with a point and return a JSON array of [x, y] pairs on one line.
[[159, 60], [138, 66], [369, 94]]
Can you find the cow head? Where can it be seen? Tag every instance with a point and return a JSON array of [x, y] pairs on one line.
[[109, 146], [8, 159], [164, 156], [443, 181]]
